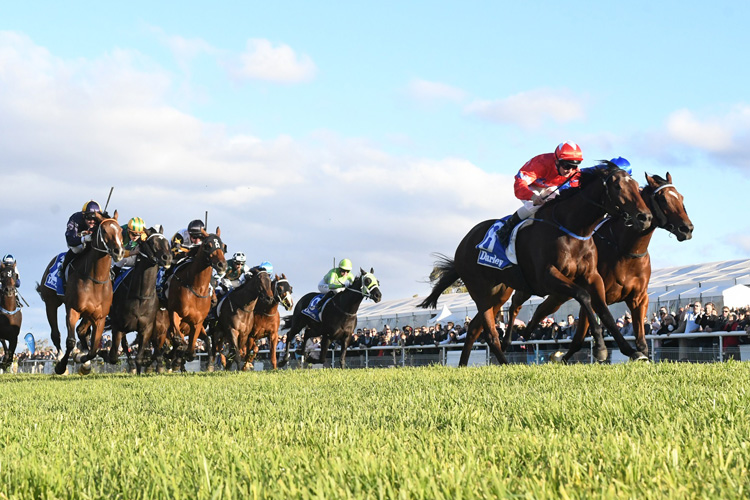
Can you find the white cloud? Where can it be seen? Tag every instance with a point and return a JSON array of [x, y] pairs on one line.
[[530, 109], [713, 134], [264, 61], [71, 129], [423, 90]]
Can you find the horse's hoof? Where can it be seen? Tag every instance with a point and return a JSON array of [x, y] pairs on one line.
[[601, 356], [78, 357], [558, 357], [60, 369], [639, 356], [85, 368], [210, 368]]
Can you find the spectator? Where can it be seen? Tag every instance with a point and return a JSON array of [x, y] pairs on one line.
[[569, 330], [627, 322]]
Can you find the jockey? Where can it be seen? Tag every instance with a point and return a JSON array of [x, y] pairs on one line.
[[132, 234], [336, 280], [235, 275], [10, 261], [79, 232], [539, 179], [186, 239]]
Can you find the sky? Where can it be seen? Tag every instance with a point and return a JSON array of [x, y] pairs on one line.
[[314, 131]]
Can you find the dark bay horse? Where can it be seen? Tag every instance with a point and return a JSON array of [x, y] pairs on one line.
[[267, 321], [135, 303], [339, 319], [624, 262], [189, 295], [88, 294], [236, 315], [10, 314], [556, 256]]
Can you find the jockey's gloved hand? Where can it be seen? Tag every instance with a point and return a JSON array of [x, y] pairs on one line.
[[86, 238], [536, 199]]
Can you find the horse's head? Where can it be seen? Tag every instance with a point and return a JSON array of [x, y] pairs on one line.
[[282, 292], [368, 285], [259, 278], [667, 206], [109, 237], [8, 280], [622, 196], [213, 249], [156, 247]]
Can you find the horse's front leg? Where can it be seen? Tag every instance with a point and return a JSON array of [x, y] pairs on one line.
[[72, 316], [344, 347], [638, 309], [599, 305], [325, 341], [145, 335], [96, 343], [516, 303], [600, 348]]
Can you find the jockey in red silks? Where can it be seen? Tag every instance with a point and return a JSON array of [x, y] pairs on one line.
[[539, 180]]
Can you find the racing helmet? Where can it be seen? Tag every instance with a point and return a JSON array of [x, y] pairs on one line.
[[267, 267], [9, 260], [345, 265], [136, 225], [195, 228], [623, 164], [239, 257], [90, 208], [568, 152]]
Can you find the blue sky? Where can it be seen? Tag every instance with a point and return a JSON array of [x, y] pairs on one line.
[[377, 132]]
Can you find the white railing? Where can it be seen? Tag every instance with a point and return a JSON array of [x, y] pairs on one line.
[[527, 352]]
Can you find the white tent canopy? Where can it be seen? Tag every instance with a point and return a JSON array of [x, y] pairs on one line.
[[736, 296]]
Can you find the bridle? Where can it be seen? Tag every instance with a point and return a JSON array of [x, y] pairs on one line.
[[657, 211], [146, 250], [98, 243], [286, 299]]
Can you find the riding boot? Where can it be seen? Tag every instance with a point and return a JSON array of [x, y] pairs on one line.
[[503, 235], [66, 261]]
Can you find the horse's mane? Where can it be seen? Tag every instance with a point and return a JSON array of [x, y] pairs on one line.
[[585, 177]]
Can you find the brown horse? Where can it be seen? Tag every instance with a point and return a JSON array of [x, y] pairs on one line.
[[267, 321], [88, 294], [625, 264], [236, 315], [189, 295], [10, 314], [556, 256]]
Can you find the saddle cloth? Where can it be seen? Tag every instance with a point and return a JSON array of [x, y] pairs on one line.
[[491, 252], [120, 277], [314, 309], [54, 280]]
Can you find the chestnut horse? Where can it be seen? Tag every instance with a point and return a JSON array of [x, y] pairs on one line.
[[189, 295], [556, 256], [339, 317], [10, 314], [625, 264], [267, 321], [135, 303], [236, 314], [88, 293]]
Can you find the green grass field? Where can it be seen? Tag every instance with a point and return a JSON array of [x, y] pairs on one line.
[[624, 431]]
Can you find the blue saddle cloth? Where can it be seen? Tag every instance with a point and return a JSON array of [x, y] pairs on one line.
[[161, 289], [54, 279], [314, 308], [120, 277], [491, 252]]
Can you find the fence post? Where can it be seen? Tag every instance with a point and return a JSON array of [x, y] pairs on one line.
[[403, 356], [367, 357], [591, 350], [721, 348], [536, 353]]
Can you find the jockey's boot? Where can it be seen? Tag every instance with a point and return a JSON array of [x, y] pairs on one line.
[[66, 261], [503, 235], [324, 299]]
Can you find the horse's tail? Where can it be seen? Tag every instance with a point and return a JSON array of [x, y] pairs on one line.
[[445, 271]]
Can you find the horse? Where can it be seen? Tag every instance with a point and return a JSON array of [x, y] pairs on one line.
[[267, 321], [189, 295], [135, 303], [339, 319], [236, 314], [88, 294], [555, 253], [10, 315], [624, 262]]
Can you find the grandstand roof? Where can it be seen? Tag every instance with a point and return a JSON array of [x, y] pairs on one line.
[[681, 283]]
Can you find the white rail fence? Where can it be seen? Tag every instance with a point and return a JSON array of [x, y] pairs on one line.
[[696, 347]]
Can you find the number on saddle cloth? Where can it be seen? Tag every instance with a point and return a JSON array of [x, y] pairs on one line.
[[315, 307], [491, 252], [54, 279]]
